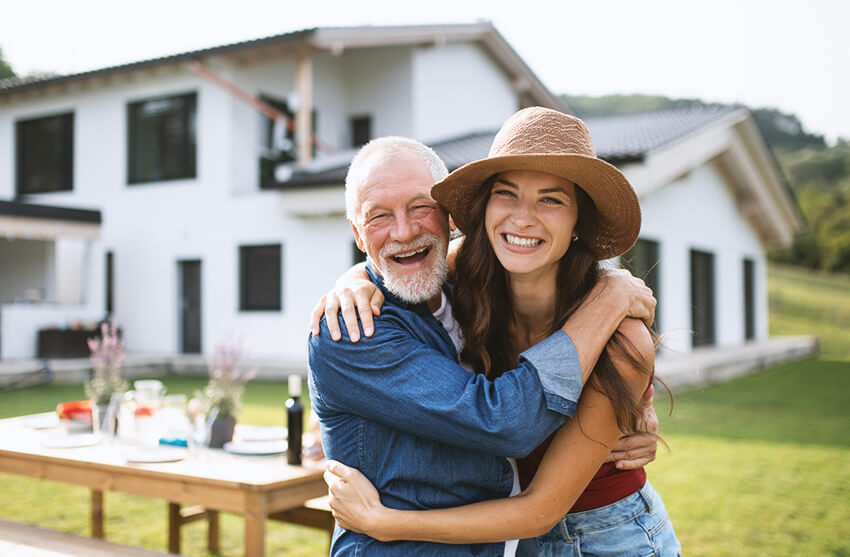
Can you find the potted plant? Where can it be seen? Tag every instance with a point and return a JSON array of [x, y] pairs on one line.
[[106, 356], [221, 399]]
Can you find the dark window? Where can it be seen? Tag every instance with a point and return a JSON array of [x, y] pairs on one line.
[[357, 256], [361, 130], [260, 277], [702, 297], [749, 300], [110, 282], [45, 154], [642, 260], [190, 306], [161, 143]]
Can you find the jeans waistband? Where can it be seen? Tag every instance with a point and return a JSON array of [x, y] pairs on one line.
[[604, 517]]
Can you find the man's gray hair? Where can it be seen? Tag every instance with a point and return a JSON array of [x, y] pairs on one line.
[[386, 149]]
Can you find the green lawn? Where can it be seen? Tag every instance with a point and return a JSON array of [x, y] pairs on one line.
[[804, 301], [759, 466]]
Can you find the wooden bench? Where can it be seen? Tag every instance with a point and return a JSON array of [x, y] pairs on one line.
[[23, 540], [314, 513]]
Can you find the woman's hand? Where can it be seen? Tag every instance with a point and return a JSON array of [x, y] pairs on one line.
[[354, 294], [354, 501]]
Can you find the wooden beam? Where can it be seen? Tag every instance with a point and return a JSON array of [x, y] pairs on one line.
[[97, 514], [304, 115]]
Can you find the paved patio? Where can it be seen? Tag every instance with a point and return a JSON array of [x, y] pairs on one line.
[[705, 366]]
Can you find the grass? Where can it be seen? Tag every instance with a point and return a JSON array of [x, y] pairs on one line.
[[759, 466], [804, 301]]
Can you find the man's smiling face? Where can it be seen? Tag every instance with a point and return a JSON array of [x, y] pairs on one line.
[[400, 226]]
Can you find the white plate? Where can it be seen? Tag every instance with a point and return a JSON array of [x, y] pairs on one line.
[[158, 454], [260, 433], [45, 421], [255, 448], [70, 441], [74, 426]]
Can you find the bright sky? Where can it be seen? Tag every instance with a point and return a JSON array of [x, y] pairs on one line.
[[785, 54]]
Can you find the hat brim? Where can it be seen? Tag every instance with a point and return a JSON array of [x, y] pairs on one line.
[[614, 198]]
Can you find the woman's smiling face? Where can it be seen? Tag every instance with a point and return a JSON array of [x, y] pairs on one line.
[[529, 220]]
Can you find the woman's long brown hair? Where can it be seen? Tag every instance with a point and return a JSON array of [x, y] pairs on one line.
[[483, 308]]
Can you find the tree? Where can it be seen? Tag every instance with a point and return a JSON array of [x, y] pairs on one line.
[[784, 131], [5, 67]]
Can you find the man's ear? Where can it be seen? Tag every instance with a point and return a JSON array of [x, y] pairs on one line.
[[357, 239], [452, 225]]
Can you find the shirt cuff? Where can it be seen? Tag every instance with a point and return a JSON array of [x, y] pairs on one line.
[[557, 364]]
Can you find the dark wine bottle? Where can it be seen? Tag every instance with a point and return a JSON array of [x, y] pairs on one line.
[[294, 421]]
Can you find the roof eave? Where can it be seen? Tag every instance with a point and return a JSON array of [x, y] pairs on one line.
[[29, 84]]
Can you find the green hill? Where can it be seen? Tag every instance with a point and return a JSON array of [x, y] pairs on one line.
[[805, 302]]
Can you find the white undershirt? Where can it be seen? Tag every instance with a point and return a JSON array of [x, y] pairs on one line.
[[447, 320]]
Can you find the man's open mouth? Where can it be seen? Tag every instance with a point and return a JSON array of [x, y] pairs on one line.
[[412, 256]]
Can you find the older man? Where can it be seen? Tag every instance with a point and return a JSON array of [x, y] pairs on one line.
[[397, 405]]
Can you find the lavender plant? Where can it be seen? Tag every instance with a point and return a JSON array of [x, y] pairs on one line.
[[107, 355], [227, 382]]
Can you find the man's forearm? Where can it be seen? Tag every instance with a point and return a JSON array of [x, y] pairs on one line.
[[593, 324]]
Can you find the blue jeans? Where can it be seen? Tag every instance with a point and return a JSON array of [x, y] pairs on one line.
[[635, 526]]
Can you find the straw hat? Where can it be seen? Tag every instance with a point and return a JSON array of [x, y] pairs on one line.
[[546, 140]]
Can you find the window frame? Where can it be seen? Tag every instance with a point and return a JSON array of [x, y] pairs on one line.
[[703, 336], [66, 170], [356, 123], [189, 141], [749, 297], [246, 304]]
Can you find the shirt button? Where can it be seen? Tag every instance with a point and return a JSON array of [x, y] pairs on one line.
[[563, 406]]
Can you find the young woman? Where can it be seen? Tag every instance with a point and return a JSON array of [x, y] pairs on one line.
[[539, 214]]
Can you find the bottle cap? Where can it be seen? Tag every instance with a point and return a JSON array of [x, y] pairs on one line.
[[294, 385]]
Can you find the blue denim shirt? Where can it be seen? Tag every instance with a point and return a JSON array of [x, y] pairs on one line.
[[429, 434]]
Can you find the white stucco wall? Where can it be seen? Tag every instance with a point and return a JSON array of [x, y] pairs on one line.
[[458, 88], [379, 82], [698, 212]]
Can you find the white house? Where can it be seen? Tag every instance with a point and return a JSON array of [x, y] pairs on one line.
[[200, 194]]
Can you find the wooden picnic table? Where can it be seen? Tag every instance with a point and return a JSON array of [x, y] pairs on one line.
[[212, 480]]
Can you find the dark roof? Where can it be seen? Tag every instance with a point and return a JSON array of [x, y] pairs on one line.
[[18, 209], [625, 137], [16, 84], [617, 139]]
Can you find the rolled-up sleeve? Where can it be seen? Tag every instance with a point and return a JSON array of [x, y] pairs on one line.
[[399, 381], [558, 366]]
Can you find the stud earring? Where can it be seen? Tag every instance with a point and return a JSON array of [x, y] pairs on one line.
[[575, 237]]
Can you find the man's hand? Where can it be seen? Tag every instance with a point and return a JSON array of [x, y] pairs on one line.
[[354, 294], [637, 450], [641, 302]]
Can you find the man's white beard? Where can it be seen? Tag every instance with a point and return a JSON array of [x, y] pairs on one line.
[[418, 287]]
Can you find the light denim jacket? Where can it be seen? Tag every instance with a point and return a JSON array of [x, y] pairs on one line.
[[428, 434]]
